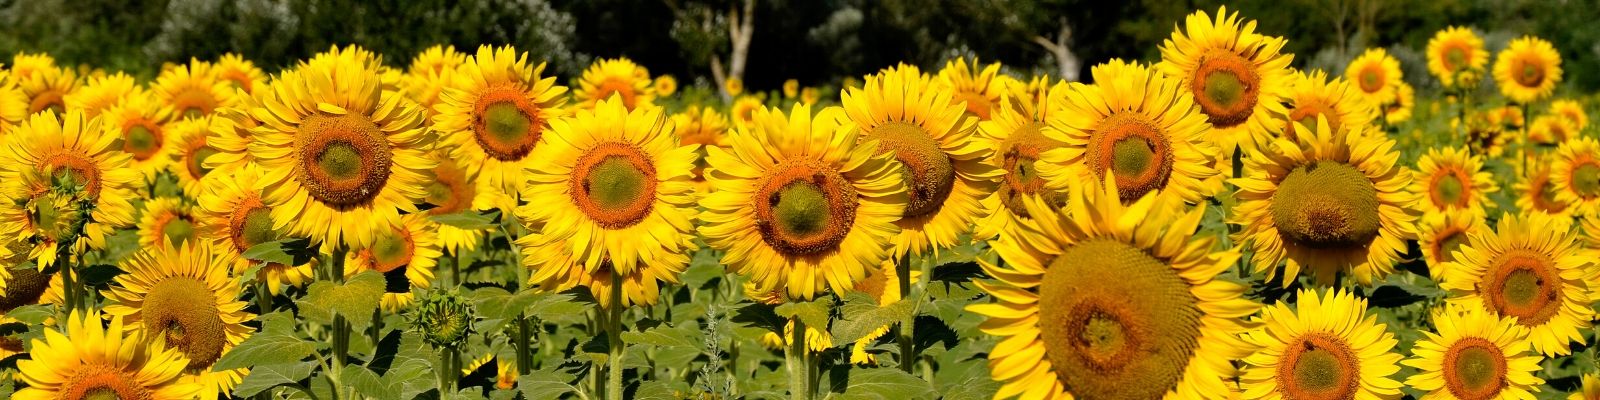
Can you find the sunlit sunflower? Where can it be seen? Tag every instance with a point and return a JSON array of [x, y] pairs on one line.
[[1237, 77], [799, 205], [1590, 389], [1551, 129], [101, 93], [47, 89], [1455, 50], [231, 135], [1440, 235], [1316, 94], [496, 113], [734, 86], [1376, 76], [193, 90], [1474, 355], [232, 217], [190, 151], [1450, 180], [1528, 267], [743, 110], [883, 285], [45, 149], [1572, 112], [405, 254], [24, 65], [454, 190], [1138, 125], [13, 104], [166, 219], [1527, 70], [1016, 133], [969, 85], [1324, 347], [1536, 192], [945, 172], [141, 125], [88, 361], [342, 157], [702, 126], [1106, 300], [1404, 100], [242, 74], [610, 192], [1575, 175], [183, 294], [666, 85], [615, 76], [1331, 201]]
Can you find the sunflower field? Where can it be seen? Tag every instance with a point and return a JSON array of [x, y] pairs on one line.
[[1210, 223]]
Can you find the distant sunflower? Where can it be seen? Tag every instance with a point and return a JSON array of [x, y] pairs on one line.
[[183, 294], [73, 147], [810, 95], [743, 110], [430, 73], [1536, 192], [1237, 77], [454, 190], [969, 85], [1485, 136], [1441, 235], [1550, 130], [102, 93], [1572, 111], [166, 219], [190, 150], [24, 65], [1527, 70], [233, 217], [666, 85], [799, 205], [1575, 175], [1331, 201], [84, 359], [1474, 355], [702, 126], [1138, 125], [1316, 94], [140, 124], [242, 74], [1325, 347], [193, 91], [496, 113], [1069, 325], [1508, 117], [1376, 76], [342, 157], [47, 89], [791, 88], [945, 173], [436, 59], [1451, 180], [13, 104], [1528, 267], [610, 192], [615, 76], [1015, 131], [734, 86], [1455, 50], [405, 254], [1404, 101]]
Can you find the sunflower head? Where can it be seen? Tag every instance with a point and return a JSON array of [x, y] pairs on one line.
[[85, 360], [1527, 70], [1455, 51], [1236, 76], [618, 77], [100, 93], [193, 90], [666, 85], [1376, 76], [1323, 347], [1317, 95], [1529, 267], [975, 88], [1475, 355], [496, 110]]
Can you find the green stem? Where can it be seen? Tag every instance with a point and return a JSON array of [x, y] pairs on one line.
[[524, 353], [798, 359], [455, 269], [341, 328], [448, 370], [907, 331], [263, 297], [614, 334], [69, 285]]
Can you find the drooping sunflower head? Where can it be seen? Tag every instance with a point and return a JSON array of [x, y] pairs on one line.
[[977, 89], [1527, 70], [1536, 192], [1475, 355], [1016, 132], [67, 165], [1551, 129], [103, 92], [619, 77], [666, 85], [1572, 111], [193, 90], [1529, 267], [1575, 175], [1315, 94], [496, 112], [1451, 180], [141, 124], [85, 360], [1453, 51], [1376, 76], [1323, 347], [405, 254], [1400, 110], [1442, 234], [238, 72], [166, 219], [232, 217], [1236, 76], [47, 88]]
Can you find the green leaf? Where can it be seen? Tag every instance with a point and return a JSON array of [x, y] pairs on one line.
[[862, 316], [812, 313], [265, 348], [273, 375], [368, 384], [292, 251], [33, 314], [663, 336], [355, 299], [546, 384], [470, 220], [760, 316], [656, 390], [882, 384]]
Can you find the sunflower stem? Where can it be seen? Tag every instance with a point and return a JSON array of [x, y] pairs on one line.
[[613, 326], [263, 297], [341, 328], [448, 359], [524, 354], [1527, 139], [70, 297], [907, 332], [798, 360]]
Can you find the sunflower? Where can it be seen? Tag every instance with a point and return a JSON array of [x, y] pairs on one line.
[[1315, 94], [809, 96], [1537, 193], [791, 88], [455, 190], [141, 125], [74, 148], [817, 340], [1575, 175], [1572, 112], [430, 73], [666, 85], [193, 90], [702, 126], [242, 74], [977, 89], [166, 219], [1138, 125], [495, 114], [102, 93], [86, 360], [342, 157], [1527, 70], [610, 192], [190, 150], [1475, 355], [1551, 129], [1237, 76], [1325, 347], [1508, 117], [1451, 180], [1455, 50], [615, 76], [47, 89], [1529, 267], [743, 110], [799, 205], [24, 65], [437, 59], [945, 173], [1486, 136], [405, 254], [1400, 110], [1295, 212], [13, 104], [183, 294], [230, 135], [1065, 318], [734, 86], [1376, 75], [232, 217], [1441, 235], [1590, 389], [1016, 132]]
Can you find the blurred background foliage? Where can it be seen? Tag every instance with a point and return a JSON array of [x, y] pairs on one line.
[[814, 41]]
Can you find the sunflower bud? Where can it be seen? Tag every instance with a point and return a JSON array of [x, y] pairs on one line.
[[444, 318]]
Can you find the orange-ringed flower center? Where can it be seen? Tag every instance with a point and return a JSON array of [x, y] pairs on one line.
[[1474, 369], [1226, 86], [1586, 179], [345, 159], [1371, 79], [615, 184], [1306, 111], [51, 99], [1450, 188], [1528, 72], [928, 173], [176, 228], [977, 104], [506, 124], [616, 86], [250, 225], [391, 251], [195, 160], [1326, 205], [1134, 150], [1524, 284], [194, 102], [142, 139], [81, 170], [804, 207], [184, 311], [1319, 366], [1448, 242], [97, 381], [1455, 56], [1019, 153]]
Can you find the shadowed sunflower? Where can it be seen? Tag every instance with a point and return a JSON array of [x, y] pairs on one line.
[[73, 149], [1475, 356], [1138, 125], [1453, 51], [817, 341], [141, 125], [1325, 347], [190, 150], [799, 204], [1590, 389], [1113, 301], [1450, 180], [166, 219], [615, 77], [342, 156], [1331, 201], [1527, 70], [1528, 267], [1572, 111], [13, 104], [1314, 94], [495, 114], [193, 90], [86, 361], [233, 217], [184, 295], [977, 89], [944, 172], [431, 71], [454, 190], [1549, 130], [1237, 77], [1440, 235], [238, 72], [702, 126], [1400, 110], [743, 109], [47, 88], [1376, 76], [405, 254], [101, 93], [24, 65], [1537, 193], [883, 286], [1016, 133], [610, 193], [1485, 136], [1575, 175]]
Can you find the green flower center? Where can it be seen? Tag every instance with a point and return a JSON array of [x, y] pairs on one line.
[[1586, 180], [615, 183], [1224, 88], [141, 142], [197, 161], [178, 230], [1318, 366], [340, 161], [1326, 205], [1448, 190]]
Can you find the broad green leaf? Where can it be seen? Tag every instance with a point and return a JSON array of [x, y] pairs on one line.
[[546, 384], [663, 336], [470, 220], [882, 384], [355, 299], [293, 251], [368, 384], [269, 376], [658, 390], [32, 314], [813, 313], [265, 348], [759, 315], [862, 316]]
